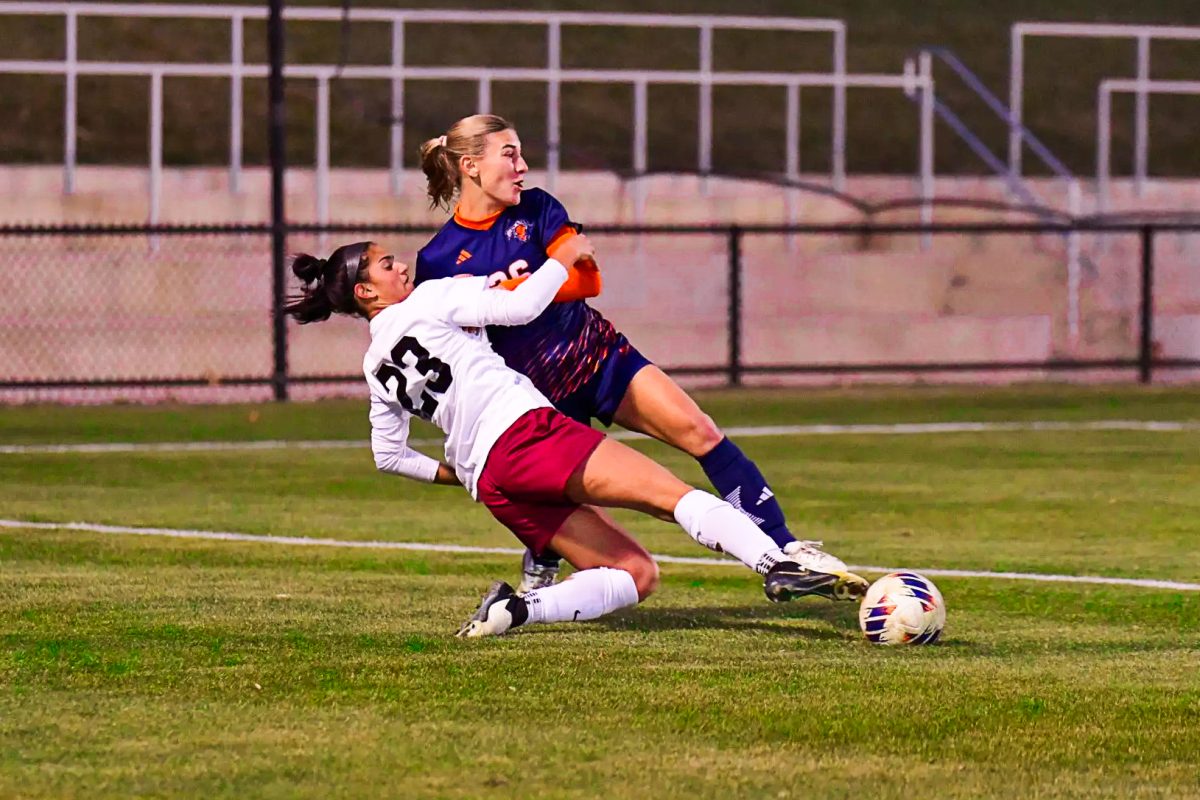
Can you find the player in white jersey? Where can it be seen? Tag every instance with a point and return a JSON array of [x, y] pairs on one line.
[[540, 473]]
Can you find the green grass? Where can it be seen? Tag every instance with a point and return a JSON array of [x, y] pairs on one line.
[[1060, 80], [348, 419], [152, 667]]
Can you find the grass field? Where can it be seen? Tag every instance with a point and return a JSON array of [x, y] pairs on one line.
[[146, 666]]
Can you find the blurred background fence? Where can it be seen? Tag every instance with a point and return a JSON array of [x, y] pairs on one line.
[[790, 167], [98, 314]]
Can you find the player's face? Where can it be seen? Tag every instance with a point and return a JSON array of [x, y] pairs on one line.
[[502, 167], [388, 281]]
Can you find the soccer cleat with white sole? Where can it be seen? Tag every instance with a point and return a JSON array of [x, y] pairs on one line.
[[537, 573], [809, 555], [501, 611]]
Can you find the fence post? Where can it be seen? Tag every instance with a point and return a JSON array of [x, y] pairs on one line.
[[553, 102], [70, 102], [236, 60], [276, 117], [735, 305], [396, 126], [1146, 347]]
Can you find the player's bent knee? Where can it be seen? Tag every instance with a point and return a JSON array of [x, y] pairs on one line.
[[708, 433], [645, 575], [703, 434]]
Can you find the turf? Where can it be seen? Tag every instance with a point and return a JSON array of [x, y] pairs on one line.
[[153, 667]]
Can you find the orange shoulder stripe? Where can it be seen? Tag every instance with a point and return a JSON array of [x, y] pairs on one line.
[[560, 236]]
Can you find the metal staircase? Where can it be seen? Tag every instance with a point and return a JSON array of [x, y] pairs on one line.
[[922, 64]]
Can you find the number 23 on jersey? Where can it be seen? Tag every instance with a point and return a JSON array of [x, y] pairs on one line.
[[417, 378]]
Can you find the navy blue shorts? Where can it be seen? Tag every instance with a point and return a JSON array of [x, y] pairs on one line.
[[599, 397]]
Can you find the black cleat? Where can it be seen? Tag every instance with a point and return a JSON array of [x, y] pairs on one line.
[[500, 611], [787, 580]]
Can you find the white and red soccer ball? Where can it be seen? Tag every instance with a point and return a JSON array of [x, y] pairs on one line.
[[902, 608]]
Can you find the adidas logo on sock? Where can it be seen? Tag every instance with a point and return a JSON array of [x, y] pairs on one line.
[[734, 499], [766, 495]]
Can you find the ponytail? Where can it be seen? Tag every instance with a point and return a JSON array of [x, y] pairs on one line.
[[440, 155], [328, 284], [441, 172]]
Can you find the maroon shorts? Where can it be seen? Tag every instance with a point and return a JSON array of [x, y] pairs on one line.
[[524, 480]]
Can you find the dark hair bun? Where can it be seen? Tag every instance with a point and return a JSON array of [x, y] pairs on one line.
[[308, 268]]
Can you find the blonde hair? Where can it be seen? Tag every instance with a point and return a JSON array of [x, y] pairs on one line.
[[440, 155]]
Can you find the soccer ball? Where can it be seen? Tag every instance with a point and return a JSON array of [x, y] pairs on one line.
[[902, 608]]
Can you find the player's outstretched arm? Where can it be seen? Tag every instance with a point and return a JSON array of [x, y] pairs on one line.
[[472, 308], [517, 307], [583, 275]]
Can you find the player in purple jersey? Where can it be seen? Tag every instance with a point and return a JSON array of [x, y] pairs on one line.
[[571, 352]]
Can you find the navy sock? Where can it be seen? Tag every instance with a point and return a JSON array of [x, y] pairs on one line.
[[739, 481]]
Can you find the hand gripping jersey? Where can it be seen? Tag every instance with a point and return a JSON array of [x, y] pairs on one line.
[[422, 362], [567, 344]]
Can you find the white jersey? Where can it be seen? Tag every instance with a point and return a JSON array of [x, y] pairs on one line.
[[430, 358]]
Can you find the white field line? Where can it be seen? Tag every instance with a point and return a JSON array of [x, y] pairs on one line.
[[459, 548], [900, 429]]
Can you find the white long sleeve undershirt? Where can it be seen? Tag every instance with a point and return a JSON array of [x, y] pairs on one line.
[[518, 307], [389, 443]]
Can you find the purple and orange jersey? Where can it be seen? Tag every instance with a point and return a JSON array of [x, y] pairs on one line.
[[567, 344]]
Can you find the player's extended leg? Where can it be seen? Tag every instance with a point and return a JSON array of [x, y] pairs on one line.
[[655, 405], [614, 571], [617, 475]]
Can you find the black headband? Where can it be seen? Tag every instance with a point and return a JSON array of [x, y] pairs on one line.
[[352, 256]]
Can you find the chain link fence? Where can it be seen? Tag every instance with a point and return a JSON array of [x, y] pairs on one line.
[[185, 314]]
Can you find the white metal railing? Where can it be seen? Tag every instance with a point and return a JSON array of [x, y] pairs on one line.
[[323, 74], [1104, 122], [398, 71], [1142, 34]]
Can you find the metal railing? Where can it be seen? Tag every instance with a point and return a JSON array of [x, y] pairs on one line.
[[1142, 34], [703, 77], [1104, 123], [1017, 186], [324, 74]]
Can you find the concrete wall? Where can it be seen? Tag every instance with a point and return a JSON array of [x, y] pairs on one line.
[[130, 307]]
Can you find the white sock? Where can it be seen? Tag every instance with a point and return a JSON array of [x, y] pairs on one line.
[[587, 594], [719, 526]]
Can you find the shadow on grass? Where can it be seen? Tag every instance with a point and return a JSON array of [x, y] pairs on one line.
[[838, 622]]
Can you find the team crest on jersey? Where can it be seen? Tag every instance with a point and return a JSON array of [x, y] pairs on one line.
[[519, 230]]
